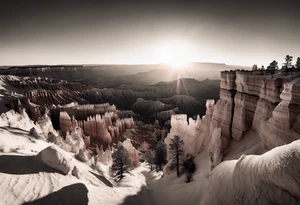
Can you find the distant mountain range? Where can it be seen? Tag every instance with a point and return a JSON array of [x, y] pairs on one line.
[[116, 75]]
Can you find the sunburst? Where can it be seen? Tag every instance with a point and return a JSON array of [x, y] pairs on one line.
[[176, 54]]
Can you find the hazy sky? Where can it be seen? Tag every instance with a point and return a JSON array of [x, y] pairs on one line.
[[240, 32]]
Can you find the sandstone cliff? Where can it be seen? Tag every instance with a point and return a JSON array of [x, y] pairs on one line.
[[267, 105]]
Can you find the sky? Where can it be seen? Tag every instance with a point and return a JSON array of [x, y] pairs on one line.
[[238, 32]]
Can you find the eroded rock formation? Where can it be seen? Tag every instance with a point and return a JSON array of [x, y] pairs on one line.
[[132, 152], [261, 102], [194, 133], [267, 104], [100, 128]]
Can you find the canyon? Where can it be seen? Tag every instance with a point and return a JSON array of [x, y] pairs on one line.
[[255, 119]]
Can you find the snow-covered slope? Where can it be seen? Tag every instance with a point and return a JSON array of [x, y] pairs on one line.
[[27, 177], [272, 178]]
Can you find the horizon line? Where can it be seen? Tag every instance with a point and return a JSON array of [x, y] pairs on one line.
[[117, 64]]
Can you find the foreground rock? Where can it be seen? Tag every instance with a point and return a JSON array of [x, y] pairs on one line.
[[55, 158], [272, 178]]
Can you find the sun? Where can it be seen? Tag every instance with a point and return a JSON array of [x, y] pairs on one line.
[[178, 65], [175, 54]]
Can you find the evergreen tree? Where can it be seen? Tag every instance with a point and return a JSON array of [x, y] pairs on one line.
[[160, 154], [121, 162], [189, 166], [176, 151], [288, 61], [254, 67], [298, 63], [149, 157], [273, 65]]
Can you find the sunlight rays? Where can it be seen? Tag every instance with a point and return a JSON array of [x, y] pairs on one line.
[[176, 54], [180, 83]]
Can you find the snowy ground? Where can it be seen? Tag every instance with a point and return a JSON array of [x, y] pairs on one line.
[[24, 179], [173, 190], [243, 178]]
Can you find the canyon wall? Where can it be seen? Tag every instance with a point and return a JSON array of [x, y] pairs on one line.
[[267, 104], [264, 103]]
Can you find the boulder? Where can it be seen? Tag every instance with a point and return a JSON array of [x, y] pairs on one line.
[[56, 158]]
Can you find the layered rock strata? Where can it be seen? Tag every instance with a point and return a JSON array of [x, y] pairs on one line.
[[261, 102], [268, 104]]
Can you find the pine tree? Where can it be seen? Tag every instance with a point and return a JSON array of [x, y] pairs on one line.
[[121, 162], [254, 67], [160, 154], [189, 167], [288, 61], [298, 63], [273, 65], [176, 151], [149, 157]]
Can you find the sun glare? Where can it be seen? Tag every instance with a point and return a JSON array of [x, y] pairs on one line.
[[176, 54]]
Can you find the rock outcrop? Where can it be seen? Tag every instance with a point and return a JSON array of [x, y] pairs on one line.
[[267, 104], [272, 178], [261, 102], [57, 159], [194, 133], [104, 129], [133, 155], [97, 128]]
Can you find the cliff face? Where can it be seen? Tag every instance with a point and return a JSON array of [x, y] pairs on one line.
[[267, 105], [261, 102]]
